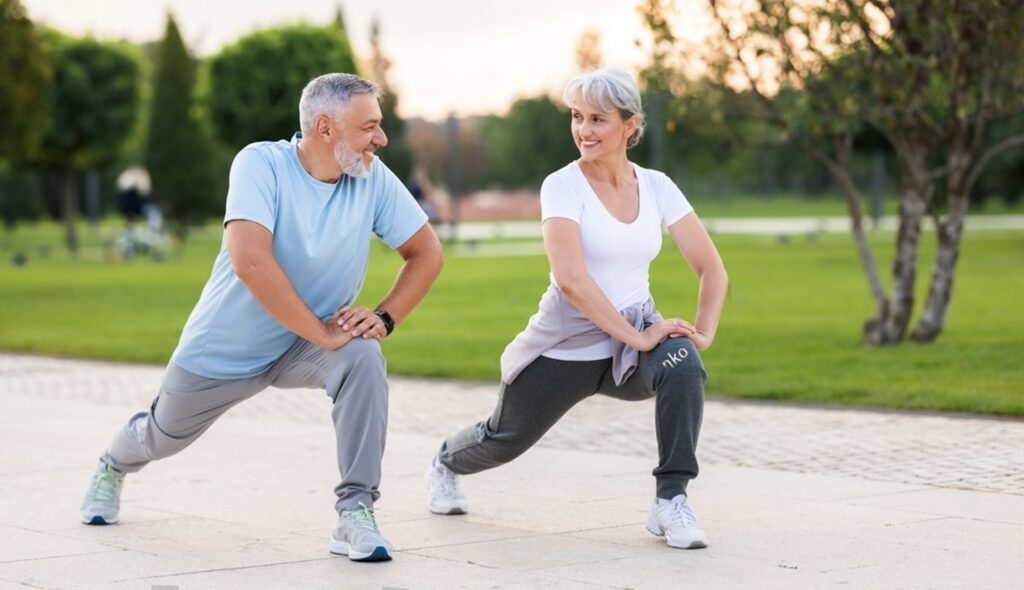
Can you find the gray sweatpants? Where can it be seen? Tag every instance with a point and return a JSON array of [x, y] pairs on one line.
[[354, 377], [529, 406]]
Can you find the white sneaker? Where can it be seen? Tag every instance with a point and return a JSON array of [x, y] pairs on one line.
[[102, 501], [446, 495], [675, 520], [358, 537]]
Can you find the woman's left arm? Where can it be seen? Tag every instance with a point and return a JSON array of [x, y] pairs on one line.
[[702, 256]]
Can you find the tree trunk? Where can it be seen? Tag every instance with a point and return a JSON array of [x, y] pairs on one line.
[[840, 170], [933, 318], [69, 206], [890, 326], [948, 233]]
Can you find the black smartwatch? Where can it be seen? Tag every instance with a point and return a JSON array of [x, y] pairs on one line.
[[389, 324]]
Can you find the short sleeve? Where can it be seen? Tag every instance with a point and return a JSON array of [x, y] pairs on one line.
[[558, 198], [672, 205], [396, 215], [252, 189]]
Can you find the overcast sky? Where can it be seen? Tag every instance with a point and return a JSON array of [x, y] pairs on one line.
[[462, 56]]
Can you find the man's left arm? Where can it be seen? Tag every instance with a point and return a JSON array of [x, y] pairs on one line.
[[423, 261]]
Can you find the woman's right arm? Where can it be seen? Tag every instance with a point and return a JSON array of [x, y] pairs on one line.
[[565, 254]]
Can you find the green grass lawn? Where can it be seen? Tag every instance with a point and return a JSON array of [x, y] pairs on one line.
[[799, 205], [791, 328]]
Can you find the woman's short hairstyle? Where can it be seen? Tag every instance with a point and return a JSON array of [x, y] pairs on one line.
[[329, 95], [608, 90]]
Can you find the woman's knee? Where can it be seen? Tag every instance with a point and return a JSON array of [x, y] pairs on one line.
[[678, 361], [505, 450], [507, 443]]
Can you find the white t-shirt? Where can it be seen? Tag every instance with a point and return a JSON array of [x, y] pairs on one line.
[[617, 255]]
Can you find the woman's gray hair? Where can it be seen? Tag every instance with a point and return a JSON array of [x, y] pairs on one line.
[[608, 90], [329, 95]]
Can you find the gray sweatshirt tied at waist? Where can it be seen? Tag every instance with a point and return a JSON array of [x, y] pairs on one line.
[[557, 321]]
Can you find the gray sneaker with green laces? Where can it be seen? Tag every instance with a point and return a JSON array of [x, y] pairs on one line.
[[102, 500], [358, 537]]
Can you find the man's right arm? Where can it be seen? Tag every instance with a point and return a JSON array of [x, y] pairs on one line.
[[250, 246]]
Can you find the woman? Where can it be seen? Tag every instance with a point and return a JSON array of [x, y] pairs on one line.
[[596, 330]]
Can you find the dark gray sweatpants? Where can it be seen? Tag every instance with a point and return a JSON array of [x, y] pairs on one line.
[[547, 388], [354, 377]]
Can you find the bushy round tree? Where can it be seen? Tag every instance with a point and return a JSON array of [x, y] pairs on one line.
[[255, 84]]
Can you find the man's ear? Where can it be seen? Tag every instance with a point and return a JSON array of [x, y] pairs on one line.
[[322, 127]]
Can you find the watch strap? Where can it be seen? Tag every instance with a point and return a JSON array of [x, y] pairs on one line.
[[389, 324]]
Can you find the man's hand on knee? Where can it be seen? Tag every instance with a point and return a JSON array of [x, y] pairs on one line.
[[361, 322], [334, 336]]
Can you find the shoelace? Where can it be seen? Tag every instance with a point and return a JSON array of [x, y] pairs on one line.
[[362, 518], [682, 515], [107, 483]]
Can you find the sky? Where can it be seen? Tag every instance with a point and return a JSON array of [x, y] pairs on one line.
[[449, 56]]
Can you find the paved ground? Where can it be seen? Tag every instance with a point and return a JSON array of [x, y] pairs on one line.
[[790, 496]]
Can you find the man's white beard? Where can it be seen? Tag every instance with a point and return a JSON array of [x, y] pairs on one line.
[[351, 162]]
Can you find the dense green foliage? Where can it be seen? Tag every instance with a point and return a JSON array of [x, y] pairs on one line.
[[255, 84], [19, 196], [1004, 178], [528, 143], [178, 153], [94, 103], [23, 84], [397, 153], [94, 99], [786, 332]]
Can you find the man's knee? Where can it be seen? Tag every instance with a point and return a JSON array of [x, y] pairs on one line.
[[360, 364], [359, 355], [158, 443]]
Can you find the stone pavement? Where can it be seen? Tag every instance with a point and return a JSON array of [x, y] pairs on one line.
[[791, 496]]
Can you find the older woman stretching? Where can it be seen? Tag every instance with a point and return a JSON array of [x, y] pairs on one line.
[[596, 329]]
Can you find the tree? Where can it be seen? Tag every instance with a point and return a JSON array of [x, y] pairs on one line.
[[255, 84], [429, 141], [94, 102], [397, 153], [178, 153], [929, 75], [588, 51], [1005, 176], [19, 196], [24, 84], [528, 143]]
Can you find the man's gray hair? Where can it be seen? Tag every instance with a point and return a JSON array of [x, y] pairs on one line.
[[609, 90], [329, 95]]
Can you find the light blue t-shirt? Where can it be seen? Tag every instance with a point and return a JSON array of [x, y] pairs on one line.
[[322, 234]]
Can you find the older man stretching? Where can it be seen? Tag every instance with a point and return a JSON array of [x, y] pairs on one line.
[[277, 309]]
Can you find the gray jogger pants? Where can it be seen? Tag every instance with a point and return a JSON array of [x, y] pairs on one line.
[[354, 377], [529, 406]]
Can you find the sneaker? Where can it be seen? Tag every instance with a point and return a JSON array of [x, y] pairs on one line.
[[102, 500], [675, 520], [446, 496], [358, 537]]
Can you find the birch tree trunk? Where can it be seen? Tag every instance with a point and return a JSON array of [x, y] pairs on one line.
[[890, 326], [948, 233], [840, 169]]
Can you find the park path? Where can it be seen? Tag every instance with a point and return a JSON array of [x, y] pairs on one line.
[[791, 496]]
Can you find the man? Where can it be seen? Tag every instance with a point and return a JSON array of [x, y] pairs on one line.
[[277, 309]]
